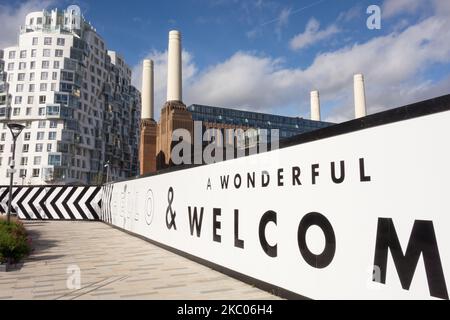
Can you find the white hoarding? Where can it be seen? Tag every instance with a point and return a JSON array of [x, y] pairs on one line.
[[362, 215]]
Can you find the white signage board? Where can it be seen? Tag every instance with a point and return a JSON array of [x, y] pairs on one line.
[[378, 228]]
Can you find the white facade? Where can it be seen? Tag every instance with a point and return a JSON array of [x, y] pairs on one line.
[[55, 85]]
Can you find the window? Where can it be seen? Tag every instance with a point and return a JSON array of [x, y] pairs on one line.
[[47, 41], [18, 100], [12, 54], [33, 65], [28, 125], [39, 147], [21, 77], [25, 148], [24, 161], [40, 135], [49, 147], [32, 76], [59, 53], [53, 124], [23, 54], [46, 53], [31, 88], [2, 148], [35, 40], [42, 99], [54, 75], [42, 124], [56, 65], [44, 75], [53, 110], [30, 100], [41, 112], [23, 173], [52, 136], [45, 64], [27, 136], [54, 160], [33, 53], [53, 87], [3, 136], [10, 66], [22, 66], [43, 87], [36, 173], [19, 88], [37, 161], [16, 112], [61, 41], [10, 77], [28, 111]]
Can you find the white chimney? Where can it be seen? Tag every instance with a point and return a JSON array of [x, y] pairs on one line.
[[360, 96], [315, 106], [174, 73], [147, 91]]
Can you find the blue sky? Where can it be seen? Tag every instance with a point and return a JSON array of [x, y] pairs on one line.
[[267, 55]]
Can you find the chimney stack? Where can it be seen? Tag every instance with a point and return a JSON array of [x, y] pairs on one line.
[[360, 96], [174, 74], [147, 91], [315, 106]]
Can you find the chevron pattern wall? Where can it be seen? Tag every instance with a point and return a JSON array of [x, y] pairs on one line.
[[53, 202]]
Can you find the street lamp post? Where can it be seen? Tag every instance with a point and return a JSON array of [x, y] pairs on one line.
[[107, 166], [15, 129]]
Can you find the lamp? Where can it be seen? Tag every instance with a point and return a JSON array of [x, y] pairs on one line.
[[15, 129]]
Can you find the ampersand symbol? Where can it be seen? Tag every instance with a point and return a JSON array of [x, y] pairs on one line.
[[170, 213]]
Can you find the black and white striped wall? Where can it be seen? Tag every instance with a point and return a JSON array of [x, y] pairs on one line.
[[53, 202]]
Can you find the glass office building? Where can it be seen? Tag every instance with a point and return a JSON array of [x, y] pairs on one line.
[[224, 117]]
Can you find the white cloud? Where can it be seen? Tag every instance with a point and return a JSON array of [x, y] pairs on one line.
[[312, 35], [12, 17], [393, 8]]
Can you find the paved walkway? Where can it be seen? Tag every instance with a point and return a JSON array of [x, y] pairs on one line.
[[123, 267]]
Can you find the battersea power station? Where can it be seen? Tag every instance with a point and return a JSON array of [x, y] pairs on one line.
[[156, 140]]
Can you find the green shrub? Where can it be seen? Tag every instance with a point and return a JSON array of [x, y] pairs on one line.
[[14, 243]]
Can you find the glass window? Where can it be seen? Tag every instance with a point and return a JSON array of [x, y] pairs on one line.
[[19, 88], [3, 136], [36, 173], [42, 111], [54, 160], [46, 53], [28, 111], [23, 173], [56, 65], [18, 100], [35, 40], [44, 75], [52, 136], [42, 99], [33, 53], [37, 161], [10, 66], [33, 65], [30, 99], [42, 124], [53, 124], [47, 41], [21, 77], [32, 76], [24, 161], [43, 87], [23, 54], [54, 75], [31, 88], [39, 147], [61, 41], [40, 135], [16, 111], [45, 64], [49, 147], [59, 53], [12, 54], [22, 66], [25, 148]]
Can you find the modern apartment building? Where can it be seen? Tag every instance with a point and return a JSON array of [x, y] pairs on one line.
[[74, 97]]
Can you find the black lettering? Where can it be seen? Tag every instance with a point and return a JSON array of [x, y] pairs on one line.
[[265, 177], [195, 222], [422, 242], [216, 225], [237, 181], [333, 173], [362, 171], [224, 181], [269, 216], [296, 172], [324, 259], [315, 173], [280, 178], [251, 178], [237, 242]]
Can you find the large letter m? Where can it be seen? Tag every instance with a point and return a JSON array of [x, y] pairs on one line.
[[422, 242]]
